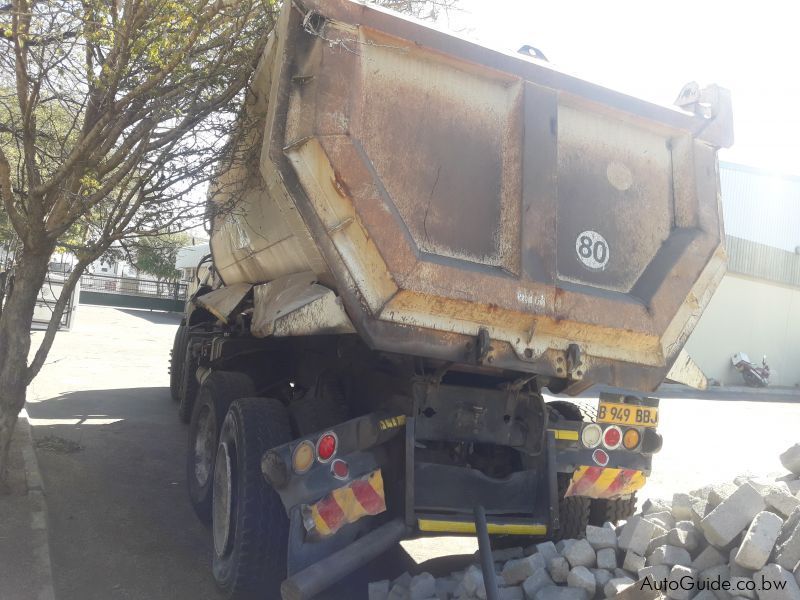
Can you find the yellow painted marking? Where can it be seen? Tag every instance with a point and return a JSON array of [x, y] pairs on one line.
[[435, 525], [565, 434], [348, 503], [392, 422], [607, 477], [600, 488]]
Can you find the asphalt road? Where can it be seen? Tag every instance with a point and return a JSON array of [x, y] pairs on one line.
[[112, 454]]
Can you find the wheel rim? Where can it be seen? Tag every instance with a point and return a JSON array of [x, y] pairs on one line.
[[223, 500], [204, 445]]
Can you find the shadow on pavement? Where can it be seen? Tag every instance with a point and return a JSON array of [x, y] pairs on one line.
[[154, 316], [120, 522]]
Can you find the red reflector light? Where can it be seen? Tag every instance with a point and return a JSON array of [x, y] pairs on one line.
[[340, 469], [612, 437], [600, 457], [326, 446]]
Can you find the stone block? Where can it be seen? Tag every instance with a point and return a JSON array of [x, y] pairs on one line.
[[535, 582], [755, 550], [559, 569], [633, 562], [581, 577], [681, 582], [780, 498], [662, 519], [636, 535], [581, 554], [607, 558], [422, 586], [709, 557], [601, 537], [732, 515], [547, 550], [682, 506], [617, 585], [670, 556], [655, 505], [517, 570], [554, 592], [504, 554], [601, 577], [655, 572], [776, 576], [378, 590], [791, 459], [511, 593]]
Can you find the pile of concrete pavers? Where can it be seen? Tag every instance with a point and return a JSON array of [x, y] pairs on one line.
[[745, 533]]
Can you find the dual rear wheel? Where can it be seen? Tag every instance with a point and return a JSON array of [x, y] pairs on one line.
[[229, 432]]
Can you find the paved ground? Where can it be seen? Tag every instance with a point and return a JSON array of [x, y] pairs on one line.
[[25, 571], [111, 451]]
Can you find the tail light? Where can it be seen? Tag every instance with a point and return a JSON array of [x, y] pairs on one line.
[[600, 457], [326, 447], [340, 469], [612, 437], [303, 457], [591, 435], [631, 439]]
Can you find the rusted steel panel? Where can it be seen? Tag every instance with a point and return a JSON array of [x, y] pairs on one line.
[[449, 187]]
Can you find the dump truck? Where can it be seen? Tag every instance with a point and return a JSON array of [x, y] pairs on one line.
[[414, 237]]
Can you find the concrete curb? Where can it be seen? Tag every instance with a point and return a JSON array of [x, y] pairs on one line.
[[677, 388], [38, 510]]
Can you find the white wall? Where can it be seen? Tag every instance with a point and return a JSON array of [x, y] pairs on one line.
[[752, 316]]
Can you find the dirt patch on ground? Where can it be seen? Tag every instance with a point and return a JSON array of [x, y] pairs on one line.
[[57, 445]]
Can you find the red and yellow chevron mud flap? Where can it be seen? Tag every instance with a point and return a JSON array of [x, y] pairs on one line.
[[359, 498], [599, 482]]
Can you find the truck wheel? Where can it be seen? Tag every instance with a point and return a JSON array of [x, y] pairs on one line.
[[176, 357], [187, 391], [573, 512], [216, 393], [619, 509], [249, 524]]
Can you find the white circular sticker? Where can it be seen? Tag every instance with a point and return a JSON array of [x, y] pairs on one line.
[[592, 250]]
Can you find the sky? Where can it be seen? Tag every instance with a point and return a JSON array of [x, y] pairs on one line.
[[651, 49]]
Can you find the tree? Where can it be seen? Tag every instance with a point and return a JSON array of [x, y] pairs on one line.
[[156, 256], [112, 117], [113, 114]]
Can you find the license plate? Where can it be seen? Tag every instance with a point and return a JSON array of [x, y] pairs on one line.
[[627, 414]]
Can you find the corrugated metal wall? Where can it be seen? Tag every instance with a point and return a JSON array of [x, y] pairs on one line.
[[757, 308], [761, 207]]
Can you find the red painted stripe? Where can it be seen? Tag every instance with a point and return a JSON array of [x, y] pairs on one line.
[[331, 512], [587, 481], [368, 497], [619, 481]]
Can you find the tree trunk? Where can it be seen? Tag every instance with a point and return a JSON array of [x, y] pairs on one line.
[[15, 342]]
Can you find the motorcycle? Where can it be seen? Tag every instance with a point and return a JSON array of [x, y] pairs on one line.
[[753, 375]]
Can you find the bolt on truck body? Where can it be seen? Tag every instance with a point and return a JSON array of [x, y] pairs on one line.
[[413, 237]]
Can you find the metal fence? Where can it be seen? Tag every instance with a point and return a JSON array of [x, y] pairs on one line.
[[132, 286]]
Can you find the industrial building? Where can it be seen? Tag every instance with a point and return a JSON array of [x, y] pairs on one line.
[[756, 309]]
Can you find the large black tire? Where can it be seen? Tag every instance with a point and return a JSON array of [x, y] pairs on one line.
[[176, 357], [619, 509], [573, 512], [250, 526], [214, 398], [187, 390]]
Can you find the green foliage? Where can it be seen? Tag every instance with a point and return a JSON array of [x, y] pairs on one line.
[[156, 256]]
